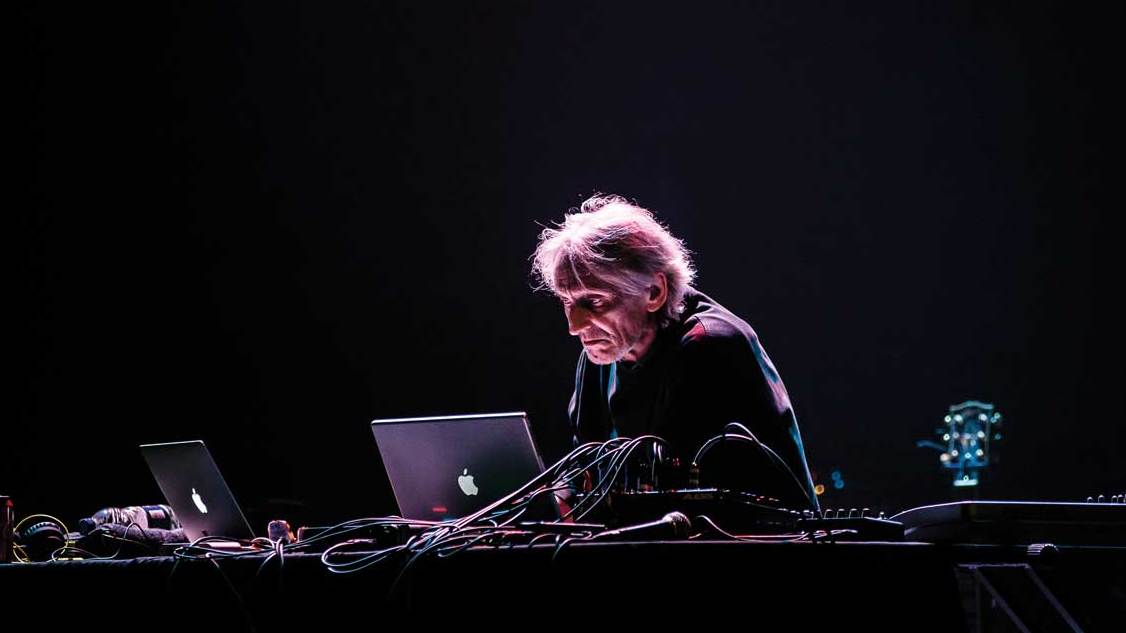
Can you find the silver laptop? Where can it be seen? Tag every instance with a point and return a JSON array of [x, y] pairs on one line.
[[196, 491], [444, 468]]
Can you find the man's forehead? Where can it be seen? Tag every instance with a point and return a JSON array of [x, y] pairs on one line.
[[578, 280], [584, 292]]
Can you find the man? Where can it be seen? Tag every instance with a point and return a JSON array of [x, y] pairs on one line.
[[661, 358]]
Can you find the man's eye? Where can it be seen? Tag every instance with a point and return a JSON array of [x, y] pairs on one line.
[[586, 303]]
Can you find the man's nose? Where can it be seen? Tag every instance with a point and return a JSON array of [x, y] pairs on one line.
[[577, 320]]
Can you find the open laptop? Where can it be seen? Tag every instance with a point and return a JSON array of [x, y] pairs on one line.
[[196, 492], [444, 468]]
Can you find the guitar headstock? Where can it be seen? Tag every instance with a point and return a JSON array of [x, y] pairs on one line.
[[968, 431]]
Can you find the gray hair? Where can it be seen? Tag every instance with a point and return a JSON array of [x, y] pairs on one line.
[[612, 243]]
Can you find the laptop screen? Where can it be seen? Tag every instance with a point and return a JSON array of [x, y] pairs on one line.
[[444, 468], [195, 490]]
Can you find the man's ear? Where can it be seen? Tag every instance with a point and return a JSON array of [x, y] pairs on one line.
[[658, 293]]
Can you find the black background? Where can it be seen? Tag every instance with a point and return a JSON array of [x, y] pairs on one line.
[[263, 225]]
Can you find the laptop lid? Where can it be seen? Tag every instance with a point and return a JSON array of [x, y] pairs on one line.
[[448, 467], [195, 490]]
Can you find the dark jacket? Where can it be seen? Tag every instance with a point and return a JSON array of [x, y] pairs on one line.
[[703, 371]]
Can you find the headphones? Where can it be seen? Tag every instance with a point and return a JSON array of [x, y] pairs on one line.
[[40, 539]]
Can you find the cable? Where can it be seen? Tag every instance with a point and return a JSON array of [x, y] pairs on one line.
[[238, 596], [20, 551], [619, 457], [495, 524], [103, 532], [748, 436], [565, 543]]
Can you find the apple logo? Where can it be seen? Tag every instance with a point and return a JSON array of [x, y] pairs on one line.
[[465, 481], [198, 500]]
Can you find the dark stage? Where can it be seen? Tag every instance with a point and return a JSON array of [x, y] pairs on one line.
[[264, 225]]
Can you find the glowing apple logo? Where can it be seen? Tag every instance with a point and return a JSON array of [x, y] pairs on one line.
[[465, 481], [198, 500]]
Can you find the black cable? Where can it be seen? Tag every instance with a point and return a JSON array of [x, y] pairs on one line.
[[619, 457], [238, 597], [492, 525], [567, 541], [777, 459], [750, 437]]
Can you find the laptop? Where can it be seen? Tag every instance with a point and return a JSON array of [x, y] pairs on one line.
[[444, 468], [196, 491]]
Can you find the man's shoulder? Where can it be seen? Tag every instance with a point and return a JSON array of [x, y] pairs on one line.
[[707, 325], [724, 349]]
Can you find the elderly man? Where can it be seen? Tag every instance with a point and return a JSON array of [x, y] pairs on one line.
[[660, 358]]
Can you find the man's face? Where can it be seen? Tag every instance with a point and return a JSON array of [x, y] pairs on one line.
[[610, 325]]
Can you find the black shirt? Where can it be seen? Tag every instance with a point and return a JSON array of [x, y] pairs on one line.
[[702, 372]]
